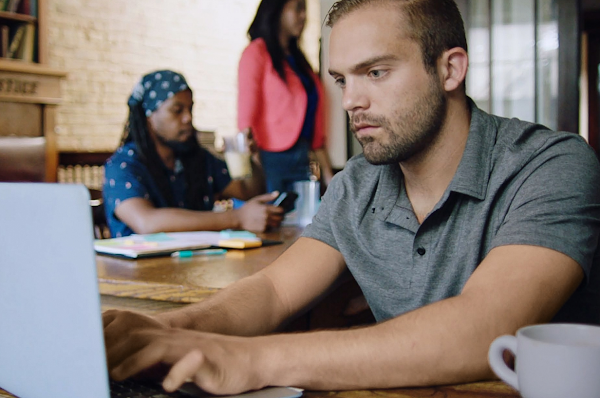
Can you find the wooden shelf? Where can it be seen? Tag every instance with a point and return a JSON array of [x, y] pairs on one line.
[[19, 66], [13, 16], [30, 91]]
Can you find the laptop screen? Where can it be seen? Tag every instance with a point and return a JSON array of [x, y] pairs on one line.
[[51, 336], [51, 340]]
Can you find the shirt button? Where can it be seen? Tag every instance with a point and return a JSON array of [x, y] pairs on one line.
[[421, 251]]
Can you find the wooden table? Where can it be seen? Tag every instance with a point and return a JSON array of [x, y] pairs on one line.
[[491, 389], [187, 280], [159, 284]]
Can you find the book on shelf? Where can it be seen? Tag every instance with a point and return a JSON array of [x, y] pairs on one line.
[[4, 32], [25, 51], [3, 5], [21, 44], [12, 5], [16, 41], [24, 7]]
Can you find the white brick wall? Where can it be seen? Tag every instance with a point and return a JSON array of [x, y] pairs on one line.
[[106, 46]]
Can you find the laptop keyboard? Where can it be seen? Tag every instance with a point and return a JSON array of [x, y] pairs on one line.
[[139, 389]]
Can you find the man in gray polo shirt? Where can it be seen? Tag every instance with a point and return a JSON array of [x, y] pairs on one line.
[[459, 227], [517, 184]]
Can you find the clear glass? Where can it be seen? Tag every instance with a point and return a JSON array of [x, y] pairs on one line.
[[547, 63], [513, 58]]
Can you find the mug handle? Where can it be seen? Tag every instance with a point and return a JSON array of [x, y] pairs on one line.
[[496, 360]]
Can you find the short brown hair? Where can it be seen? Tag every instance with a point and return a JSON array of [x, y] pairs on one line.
[[436, 25]]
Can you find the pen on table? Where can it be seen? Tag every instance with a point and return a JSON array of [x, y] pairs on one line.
[[205, 252]]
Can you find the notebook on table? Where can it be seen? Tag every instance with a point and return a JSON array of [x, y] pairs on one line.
[[51, 338], [164, 244]]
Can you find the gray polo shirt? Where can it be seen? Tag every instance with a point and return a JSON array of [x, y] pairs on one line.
[[517, 183]]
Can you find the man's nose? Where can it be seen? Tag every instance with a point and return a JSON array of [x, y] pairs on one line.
[[186, 117], [354, 96]]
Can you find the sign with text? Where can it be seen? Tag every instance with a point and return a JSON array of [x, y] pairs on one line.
[[33, 88]]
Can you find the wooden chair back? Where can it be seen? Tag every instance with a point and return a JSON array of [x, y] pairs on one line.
[[22, 159]]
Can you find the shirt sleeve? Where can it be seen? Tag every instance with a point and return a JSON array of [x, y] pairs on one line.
[[556, 204], [250, 75], [124, 179]]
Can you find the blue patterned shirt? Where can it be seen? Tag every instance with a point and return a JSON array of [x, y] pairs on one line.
[[126, 176]]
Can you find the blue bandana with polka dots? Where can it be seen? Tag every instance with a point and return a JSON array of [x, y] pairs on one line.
[[156, 87]]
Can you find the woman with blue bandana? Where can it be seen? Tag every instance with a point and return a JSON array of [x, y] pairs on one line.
[[160, 179]]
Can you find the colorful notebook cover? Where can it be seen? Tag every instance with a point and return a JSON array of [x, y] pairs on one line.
[[164, 244]]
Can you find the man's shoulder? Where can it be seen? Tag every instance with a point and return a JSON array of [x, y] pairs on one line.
[[517, 138], [124, 158], [517, 133]]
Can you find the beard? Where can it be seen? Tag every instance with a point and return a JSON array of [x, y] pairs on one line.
[[410, 132], [180, 147]]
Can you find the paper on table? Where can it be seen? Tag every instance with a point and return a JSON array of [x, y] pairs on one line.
[[148, 245]]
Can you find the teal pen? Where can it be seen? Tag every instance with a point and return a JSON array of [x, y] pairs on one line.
[[206, 252]]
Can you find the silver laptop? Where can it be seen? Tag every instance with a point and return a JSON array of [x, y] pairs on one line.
[[51, 334]]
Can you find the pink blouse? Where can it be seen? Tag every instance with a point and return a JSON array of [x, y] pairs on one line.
[[273, 109]]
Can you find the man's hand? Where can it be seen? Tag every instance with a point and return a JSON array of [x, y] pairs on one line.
[[216, 363], [118, 326], [256, 215]]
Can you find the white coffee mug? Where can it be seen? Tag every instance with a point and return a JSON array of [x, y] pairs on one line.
[[551, 361]]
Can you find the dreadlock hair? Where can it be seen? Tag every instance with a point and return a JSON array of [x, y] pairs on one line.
[[266, 25], [136, 130]]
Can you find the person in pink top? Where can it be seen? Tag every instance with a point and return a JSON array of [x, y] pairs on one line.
[[280, 98]]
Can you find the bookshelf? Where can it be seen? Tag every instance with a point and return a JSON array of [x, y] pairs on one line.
[[13, 16], [19, 29], [29, 88]]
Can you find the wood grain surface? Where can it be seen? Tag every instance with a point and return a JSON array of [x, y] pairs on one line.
[[163, 283], [187, 280], [490, 389]]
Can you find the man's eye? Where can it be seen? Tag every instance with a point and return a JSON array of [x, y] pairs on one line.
[[340, 82], [376, 73]]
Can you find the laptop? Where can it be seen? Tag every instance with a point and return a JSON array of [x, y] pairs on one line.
[[51, 333]]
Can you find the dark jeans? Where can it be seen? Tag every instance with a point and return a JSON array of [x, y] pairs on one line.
[[282, 169]]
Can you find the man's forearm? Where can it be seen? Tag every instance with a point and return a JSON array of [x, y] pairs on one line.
[[250, 307], [253, 305], [444, 342], [437, 344], [171, 220]]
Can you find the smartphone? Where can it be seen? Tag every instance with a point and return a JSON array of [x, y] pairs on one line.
[[286, 200]]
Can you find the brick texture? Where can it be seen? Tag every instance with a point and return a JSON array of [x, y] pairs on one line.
[[106, 46]]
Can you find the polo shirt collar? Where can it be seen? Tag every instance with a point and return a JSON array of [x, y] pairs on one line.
[[471, 177], [473, 172]]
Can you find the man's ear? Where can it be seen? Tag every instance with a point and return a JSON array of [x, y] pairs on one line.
[[453, 65]]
